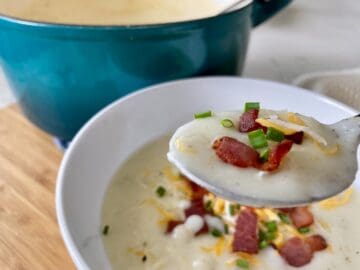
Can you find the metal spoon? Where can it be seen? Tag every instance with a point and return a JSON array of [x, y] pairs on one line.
[[346, 130]]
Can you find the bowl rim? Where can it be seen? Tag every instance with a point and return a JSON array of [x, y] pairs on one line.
[[74, 253], [43, 24]]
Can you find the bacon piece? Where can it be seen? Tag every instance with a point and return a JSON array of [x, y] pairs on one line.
[[236, 153], [316, 242], [297, 137], [246, 232], [204, 229], [196, 208], [296, 252], [197, 191], [301, 217], [172, 224], [276, 155], [247, 121]]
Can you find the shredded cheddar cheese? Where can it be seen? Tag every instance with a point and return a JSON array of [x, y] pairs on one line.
[[166, 214], [269, 123], [338, 200], [219, 206], [293, 118], [331, 150], [183, 147], [218, 248], [289, 128]]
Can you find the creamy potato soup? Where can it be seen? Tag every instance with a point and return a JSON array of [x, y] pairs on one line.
[[120, 12], [153, 218]]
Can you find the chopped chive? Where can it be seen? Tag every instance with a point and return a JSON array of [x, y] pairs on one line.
[[262, 235], [257, 139], [216, 233], [284, 218], [160, 191], [232, 209], [208, 205], [264, 154], [226, 228], [304, 230], [105, 230], [202, 114], [242, 264], [263, 244], [274, 135], [251, 105], [227, 123], [271, 226], [269, 236]]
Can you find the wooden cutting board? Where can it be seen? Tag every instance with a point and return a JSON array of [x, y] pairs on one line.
[[29, 233]]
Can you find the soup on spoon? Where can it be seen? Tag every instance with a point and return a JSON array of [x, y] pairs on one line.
[[263, 157]]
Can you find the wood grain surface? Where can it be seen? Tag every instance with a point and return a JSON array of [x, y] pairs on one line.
[[29, 234]]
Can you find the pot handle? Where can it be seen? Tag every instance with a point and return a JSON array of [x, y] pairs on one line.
[[265, 9]]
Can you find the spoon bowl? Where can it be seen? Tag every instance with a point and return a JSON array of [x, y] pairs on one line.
[[309, 173]]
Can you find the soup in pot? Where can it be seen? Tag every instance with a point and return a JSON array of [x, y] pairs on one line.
[[109, 12]]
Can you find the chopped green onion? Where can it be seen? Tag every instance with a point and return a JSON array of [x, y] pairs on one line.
[[202, 114], [105, 230], [226, 228], [216, 233], [160, 191], [251, 105], [238, 206], [262, 235], [269, 236], [271, 226], [227, 123], [208, 205], [304, 230], [264, 154], [242, 264], [284, 218], [263, 244], [232, 209], [257, 139], [274, 135]]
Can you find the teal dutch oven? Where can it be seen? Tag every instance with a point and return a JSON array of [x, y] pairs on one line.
[[64, 74]]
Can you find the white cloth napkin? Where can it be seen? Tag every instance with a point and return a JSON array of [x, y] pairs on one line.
[[343, 85]]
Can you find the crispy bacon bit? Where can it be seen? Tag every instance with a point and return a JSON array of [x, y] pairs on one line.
[[204, 229], [296, 252], [296, 137], [301, 217], [247, 121], [241, 155], [316, 242], [276, 155], [246, 232], [196, 208], [236, 153], [197, 191], [172, 224]]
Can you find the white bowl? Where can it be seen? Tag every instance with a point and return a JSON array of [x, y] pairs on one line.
[[108, 139]]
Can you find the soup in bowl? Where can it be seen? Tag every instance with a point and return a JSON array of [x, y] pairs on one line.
[[117, 192], [65, 60]]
